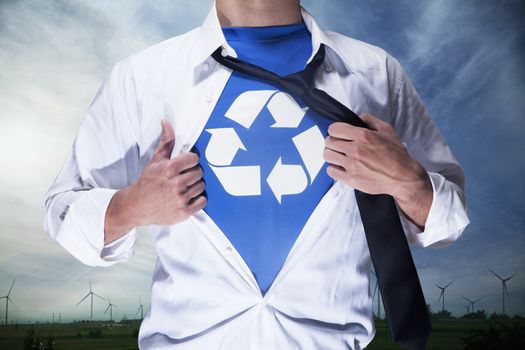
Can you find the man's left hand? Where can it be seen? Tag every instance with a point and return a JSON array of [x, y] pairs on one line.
[[374, 161]]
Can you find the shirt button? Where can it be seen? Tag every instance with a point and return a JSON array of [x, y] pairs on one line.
[[185, 147], [328, 68], [206, 66], [224, 53], [228, 251], [208, 96]]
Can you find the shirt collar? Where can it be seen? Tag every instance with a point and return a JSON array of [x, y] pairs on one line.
[[210, 37]]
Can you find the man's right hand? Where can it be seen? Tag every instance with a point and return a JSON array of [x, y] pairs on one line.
[[167, 192]]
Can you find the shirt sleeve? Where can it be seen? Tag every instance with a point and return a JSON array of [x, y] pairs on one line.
[[447, 218], [103, 159]]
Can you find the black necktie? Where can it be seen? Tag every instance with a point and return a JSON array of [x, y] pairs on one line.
[[403, 299]]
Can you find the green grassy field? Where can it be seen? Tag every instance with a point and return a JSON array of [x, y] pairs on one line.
[[99, 335], [445, 335], [81, 336]]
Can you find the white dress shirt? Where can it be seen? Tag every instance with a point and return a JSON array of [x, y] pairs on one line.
[[203, 294]]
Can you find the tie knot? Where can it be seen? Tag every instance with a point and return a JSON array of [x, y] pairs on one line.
[[305, 79]]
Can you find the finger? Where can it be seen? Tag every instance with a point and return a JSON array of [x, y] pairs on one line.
[[190, 176], [336, 144], [336, 172], [373, 122], [194, 190], [197, 203], [344, 131], [333, 157], [166, 142], [182, 162]]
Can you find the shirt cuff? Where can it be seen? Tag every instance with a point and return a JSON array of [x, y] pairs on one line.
[[82, 232], [446, 219]]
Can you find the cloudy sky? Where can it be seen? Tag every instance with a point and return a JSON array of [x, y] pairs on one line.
[[464, 57]]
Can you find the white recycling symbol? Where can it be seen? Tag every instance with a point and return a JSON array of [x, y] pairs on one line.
[[284, 179]]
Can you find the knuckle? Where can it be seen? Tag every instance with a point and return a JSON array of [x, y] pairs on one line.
[[193, 158], [203, 202], [357, 153], [328, 141], [186, 211], [330, 170], [177, 182], [172, 166], [351, 168], [200, 172], [202, 185], [366, 135], [326, 153]]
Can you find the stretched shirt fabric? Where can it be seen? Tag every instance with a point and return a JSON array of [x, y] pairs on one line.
[[203, 294], [261, 152]]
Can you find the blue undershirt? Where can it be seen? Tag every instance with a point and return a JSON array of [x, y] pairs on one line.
[[262, 225]]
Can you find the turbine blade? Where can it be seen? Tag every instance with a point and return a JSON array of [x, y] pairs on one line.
[[107, 309], [12, 284], [498, 276], [467, 299], [12, 302], [136, 313], [448, 285], [440, 296], [83, 299], [95, 294], [90, 286], [475, 301], [508, 278], [505, 287]]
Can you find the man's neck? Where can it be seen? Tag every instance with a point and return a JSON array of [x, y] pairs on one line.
[[258, 13]]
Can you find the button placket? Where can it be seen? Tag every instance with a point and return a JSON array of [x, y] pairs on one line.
[[201, 113]]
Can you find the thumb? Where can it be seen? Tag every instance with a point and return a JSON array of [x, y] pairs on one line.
[[372, 122], [166, 143]]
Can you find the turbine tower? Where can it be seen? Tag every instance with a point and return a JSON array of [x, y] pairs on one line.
[[91, 293], [442, 295], [472, 302], [504, 289], [110, 308], [467, 306], [141, 310], [378, 297], [7, 300]]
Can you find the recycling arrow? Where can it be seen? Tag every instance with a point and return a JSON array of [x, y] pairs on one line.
[[247, 106], [286, 112], [223, 146], [310, 145], [239, 180], [286, 179]]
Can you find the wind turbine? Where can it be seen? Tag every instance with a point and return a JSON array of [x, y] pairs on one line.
[[504, 289], [91, 293], [110, 308], [467, 306], [442, 295], [141, 310], [472, 302], [378, 297], [7, 300]]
